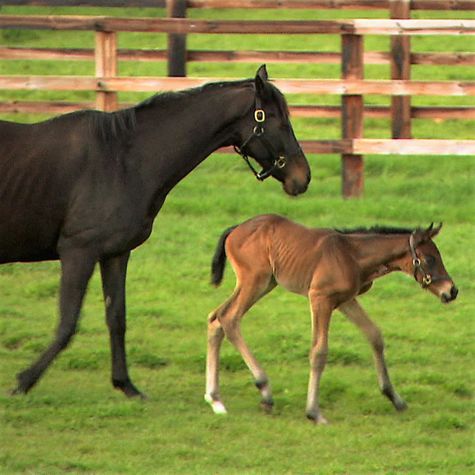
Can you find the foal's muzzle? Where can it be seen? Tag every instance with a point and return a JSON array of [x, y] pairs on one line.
[[450, 295]]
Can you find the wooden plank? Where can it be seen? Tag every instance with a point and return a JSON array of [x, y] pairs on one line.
[[106, 67], [352, 116], [400, 69], [124, 54], [288, 86], [176, 42], [185, 25], [312, 111], [414, 147], [467, 5], [413, 27]]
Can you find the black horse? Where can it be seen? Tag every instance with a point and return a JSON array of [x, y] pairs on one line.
[[85, 187]]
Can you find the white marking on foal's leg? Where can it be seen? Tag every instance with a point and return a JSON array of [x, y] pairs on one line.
[[216, 405]]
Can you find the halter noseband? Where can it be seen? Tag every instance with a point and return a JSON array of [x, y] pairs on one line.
[[417, 263], [258, 132]]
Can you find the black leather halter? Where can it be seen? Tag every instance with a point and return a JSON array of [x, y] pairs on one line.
[[418, 267], [258, 132]]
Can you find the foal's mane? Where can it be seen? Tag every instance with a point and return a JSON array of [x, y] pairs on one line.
[[377, 230], [112, 125]]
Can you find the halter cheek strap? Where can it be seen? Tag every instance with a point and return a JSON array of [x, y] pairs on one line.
[[258, 132], [417, 263]]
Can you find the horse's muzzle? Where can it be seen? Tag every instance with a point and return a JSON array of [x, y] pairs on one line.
[[447, 297]]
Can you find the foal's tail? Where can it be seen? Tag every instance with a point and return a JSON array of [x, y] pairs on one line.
[[219, 258]]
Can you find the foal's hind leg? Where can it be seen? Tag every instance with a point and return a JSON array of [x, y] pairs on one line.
[[113, 273], [228, 316], [358, 316], [76, 269]]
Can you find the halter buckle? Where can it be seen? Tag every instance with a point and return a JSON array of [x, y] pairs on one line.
[[427, 280], [259, 115]]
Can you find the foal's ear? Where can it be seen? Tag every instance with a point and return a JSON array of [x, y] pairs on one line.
[[261, 81], [432, 232]]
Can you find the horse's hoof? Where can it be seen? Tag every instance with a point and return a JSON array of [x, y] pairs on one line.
[[216, 405], [128, 388]]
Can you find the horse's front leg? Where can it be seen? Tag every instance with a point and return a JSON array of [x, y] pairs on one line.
[[76, 269], [113, 272], [358, 316], [321, 309]]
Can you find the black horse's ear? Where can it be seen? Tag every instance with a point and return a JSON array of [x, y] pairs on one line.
[[262, 73], [261, 81]]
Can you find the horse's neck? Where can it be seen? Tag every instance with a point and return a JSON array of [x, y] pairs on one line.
[[175, 136], [372, 251], [184, 131]]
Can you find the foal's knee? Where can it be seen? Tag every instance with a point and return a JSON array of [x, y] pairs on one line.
[[318, 357]]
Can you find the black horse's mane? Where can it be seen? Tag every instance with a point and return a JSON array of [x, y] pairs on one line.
[[111, 125], [377, 230]]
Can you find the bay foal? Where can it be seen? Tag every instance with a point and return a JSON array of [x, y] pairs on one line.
[[332, 268]]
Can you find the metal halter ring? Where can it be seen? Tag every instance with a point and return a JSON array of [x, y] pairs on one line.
[[259, 115], [280, 162], [427, 279], [258, 130]]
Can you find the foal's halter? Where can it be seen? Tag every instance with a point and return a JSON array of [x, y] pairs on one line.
[[258, 132], [417, 263]]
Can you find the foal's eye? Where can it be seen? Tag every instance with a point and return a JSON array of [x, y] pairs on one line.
[[430, 260]]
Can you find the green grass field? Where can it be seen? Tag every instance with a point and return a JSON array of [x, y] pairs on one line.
[[74, 422]]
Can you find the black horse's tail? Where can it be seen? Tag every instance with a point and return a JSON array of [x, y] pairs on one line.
[[219, 258]]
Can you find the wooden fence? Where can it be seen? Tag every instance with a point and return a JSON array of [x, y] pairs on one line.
[[351, 87]]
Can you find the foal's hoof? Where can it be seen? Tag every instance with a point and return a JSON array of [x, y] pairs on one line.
[[216, 405], [400, 405], [267, 406], [316, 418]]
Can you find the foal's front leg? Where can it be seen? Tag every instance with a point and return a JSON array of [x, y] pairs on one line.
[[321, 309], [357, 315], [113, 272]]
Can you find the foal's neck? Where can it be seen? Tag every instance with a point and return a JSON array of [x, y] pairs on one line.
[[377, 253]]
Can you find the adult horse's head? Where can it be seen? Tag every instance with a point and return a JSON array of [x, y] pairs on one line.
[[266, 135]]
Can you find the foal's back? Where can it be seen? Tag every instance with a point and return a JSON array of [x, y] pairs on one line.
[[290, 252]]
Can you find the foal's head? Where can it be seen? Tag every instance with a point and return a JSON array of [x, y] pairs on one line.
[[424, 262], [266, 135]]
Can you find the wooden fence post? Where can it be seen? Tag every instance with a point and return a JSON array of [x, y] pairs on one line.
[[176, 42], [352, 115], [106, 67], [400, 69]]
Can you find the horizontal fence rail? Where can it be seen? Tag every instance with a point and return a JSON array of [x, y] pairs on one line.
[[259, 27], [352, 86], [465, 5]]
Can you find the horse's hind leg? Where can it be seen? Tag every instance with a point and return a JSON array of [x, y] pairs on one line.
[[113, 272], [358, 316], [76, 269]]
